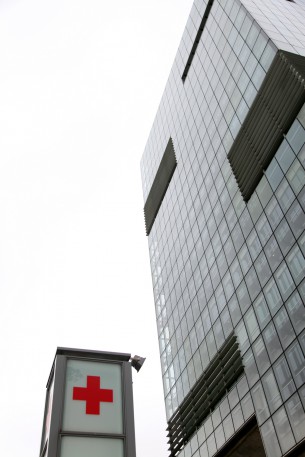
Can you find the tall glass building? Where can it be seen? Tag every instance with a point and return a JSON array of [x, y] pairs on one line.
[[223, 177]]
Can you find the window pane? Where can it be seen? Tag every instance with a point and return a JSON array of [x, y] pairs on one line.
[[272, 392], [284, 280], [261, 355], [284, 236], [296, 176], [252, 325], [296, 311], [270, 439], [262, 311], [272, 342], [273, 297], [296, 362], [296, 263], [284, 328], [296, 415], [283, 430], [260, 404], [284, 378]]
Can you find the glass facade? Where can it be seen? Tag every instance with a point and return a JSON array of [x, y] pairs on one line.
[[221, 265]]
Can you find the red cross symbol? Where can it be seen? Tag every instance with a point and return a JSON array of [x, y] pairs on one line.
[[93, 395]]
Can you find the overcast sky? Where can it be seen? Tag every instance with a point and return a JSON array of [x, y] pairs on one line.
[[80, 84]]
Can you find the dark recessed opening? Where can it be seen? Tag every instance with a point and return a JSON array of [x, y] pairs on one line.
[[159, 186], [247, 442], [197, 39]]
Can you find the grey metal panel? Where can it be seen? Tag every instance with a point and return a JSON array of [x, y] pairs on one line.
[[222, 373], [71, 352], [56, 416], [274, 109], [159, 186], [128, 411], [43, 443]]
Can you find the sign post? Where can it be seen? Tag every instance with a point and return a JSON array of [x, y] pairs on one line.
[[89, 406]]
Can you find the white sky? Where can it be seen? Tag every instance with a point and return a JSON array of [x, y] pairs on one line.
[[80, 83]]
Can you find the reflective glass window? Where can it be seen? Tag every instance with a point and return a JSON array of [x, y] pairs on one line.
[[260, 403], [285, 195], [251, 324], [296, 136], [251, 368], [296, 219], [284, 328], [272, 342], [296, 176], [253, 284], [263, 229], [262, 268], [254, 244], [271, 391], [284, 280], [296, 362], [247, 406], [270, 439], [283, 430], [237, 416], [296, 311], [261, 355], [296, 263], [262, 311], [219, 436], [273, 253], [274, 213], [295, 412], [284, 378], [236, 273], [228, 426], [284, 237], [243, 297], [272, 296], [285, 156], [274, 174]]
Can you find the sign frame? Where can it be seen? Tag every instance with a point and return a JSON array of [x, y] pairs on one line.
[[51, 438]]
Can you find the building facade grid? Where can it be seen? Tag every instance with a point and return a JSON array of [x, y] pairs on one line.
[[220, 264]]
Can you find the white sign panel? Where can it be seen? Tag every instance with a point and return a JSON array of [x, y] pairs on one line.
[[93, 398], [91, 447]]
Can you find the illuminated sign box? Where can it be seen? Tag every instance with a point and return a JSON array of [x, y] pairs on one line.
[[89, 406]]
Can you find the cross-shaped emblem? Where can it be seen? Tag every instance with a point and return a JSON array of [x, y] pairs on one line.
[[93, 395]]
